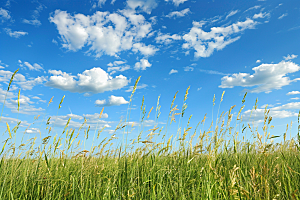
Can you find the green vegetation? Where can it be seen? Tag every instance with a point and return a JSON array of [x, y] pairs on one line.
[[204, 165]]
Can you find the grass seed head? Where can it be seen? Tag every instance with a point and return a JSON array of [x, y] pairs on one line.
[[11, 79]]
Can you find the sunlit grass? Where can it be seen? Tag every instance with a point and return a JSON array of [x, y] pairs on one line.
[[188, 165]]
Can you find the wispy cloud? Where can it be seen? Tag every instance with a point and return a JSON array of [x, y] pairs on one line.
[[282, 16], [167, 38], [4, 15], [177, 2], [177, 14], [205, 43], [137, 87], [290, 57], [15, 34], [232, 13]]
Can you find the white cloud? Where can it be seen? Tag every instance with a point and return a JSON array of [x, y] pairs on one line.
[[145, 50], [137, 87], [36, 13], [93, 121], [101, 2], [95, 80], [34, 22], [26, 106], [15, 34], [261, 15], [254, 7], [4, 15], [232, 13], [21, 80], [113, 101], [166, 38], [3, 64], [113, 70], [293, 92], [205, 43], [267, 77], [290, 57], [173, 71], [258, 61], [145, 5], [32, 130], [54, 41], [212, 72], [95, 116], [176, 14], [103, 32], [296, 98], [188, 68], [177, 2], [35, 67], [142, 65], [114, 67], [282, 16]]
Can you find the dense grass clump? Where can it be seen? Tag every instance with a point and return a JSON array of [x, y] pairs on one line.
[[210, 167]]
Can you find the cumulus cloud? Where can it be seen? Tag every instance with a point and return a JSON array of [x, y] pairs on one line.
[[267, 77], [176, 14], [173, 71], [103, 33], [258, 61], [113, 101], [4, 15], [283, 111], [145, 50], [95, 80], [290, 57], [142, 65], [177, 2], [15, 34], [167, 38], [293, 92], [205, 43]]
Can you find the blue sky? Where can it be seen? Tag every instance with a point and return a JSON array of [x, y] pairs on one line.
[[93, 51]]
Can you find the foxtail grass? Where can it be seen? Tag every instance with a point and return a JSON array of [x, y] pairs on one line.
[[194, 164]]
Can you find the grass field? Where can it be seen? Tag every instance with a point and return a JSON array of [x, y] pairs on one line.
[[189, 165]]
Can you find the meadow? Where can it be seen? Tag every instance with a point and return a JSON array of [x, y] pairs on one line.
[[192, 164]]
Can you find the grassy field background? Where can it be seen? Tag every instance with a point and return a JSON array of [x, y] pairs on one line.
[[188, 165]]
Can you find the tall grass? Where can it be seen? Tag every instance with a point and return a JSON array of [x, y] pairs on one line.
[[210, 167]]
